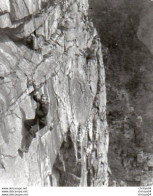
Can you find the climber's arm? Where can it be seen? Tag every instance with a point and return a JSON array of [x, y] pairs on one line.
[[36, 93], [35, 97]]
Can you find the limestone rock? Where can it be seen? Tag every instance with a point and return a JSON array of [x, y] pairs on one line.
[[5, 21], [125, 29], [145, 29], [43, 44], [4, 6]]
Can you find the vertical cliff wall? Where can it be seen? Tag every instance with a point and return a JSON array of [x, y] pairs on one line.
[[54, 45], [125, 29]]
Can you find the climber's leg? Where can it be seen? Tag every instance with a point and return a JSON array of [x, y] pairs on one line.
[[29, 123], [41, 125], [29, 136], [34, 129], [31, 126], [22, 150], [28, 140]]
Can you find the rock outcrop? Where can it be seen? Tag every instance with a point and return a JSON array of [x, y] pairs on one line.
[[52, 44], [145, 27], [125, 29]]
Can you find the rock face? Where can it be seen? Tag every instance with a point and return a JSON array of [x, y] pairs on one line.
[[125, 29], [52, 44], [145, 28]]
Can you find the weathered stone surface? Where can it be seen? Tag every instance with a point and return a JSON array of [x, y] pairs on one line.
[[81, 99], [4, 6], [21, 9], [145, 29], [50, 52], [5, 21], [125, 29]]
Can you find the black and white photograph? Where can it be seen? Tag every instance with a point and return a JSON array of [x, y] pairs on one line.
[[76, 94]]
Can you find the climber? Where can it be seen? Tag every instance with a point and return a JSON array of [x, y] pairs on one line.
[[40, 120]]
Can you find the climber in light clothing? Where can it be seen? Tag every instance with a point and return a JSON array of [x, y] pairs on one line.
[[39, 122]]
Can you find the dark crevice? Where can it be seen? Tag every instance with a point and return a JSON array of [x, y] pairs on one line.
[[68, 168]]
